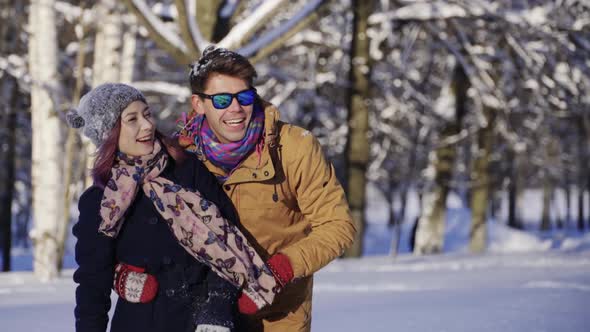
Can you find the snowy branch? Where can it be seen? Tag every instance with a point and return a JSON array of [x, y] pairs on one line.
[[160, 31], [243, 30]]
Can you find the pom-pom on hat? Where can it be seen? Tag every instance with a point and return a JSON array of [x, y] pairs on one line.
[[100, 109]]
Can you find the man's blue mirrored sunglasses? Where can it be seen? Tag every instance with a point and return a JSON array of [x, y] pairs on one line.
[[223, 100]]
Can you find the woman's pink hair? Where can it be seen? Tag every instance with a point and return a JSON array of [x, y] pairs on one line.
[[106, 152]]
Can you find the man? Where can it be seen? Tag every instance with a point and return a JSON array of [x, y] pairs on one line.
[[285, 192]]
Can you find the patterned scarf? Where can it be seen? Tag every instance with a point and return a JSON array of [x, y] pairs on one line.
[[229, 155], [195, 222]]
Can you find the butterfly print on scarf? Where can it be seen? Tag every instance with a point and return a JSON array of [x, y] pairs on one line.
[[139, 171], [226, 263], [112, 185], [239, 242], [176, 208], [212, 238], [112, 205], [229, 228], [205, 218], [205, 204], [120, 171], [221, 240], [154, 198], [171, 188], [204, 255], [187, 238], [169, 221]]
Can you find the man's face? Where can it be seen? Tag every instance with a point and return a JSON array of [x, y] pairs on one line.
[[228, 124]]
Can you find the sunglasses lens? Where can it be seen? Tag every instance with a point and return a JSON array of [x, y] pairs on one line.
[[246, 98], [222, 100]]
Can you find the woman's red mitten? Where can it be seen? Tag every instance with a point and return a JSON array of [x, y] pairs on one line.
[[132, 284]]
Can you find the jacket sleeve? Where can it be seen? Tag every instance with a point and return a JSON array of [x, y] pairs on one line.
[[322, 201], [95, 257]]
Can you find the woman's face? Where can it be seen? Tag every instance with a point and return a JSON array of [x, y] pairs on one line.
[[137, 130]]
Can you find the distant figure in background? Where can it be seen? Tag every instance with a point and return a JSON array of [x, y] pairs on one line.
[[152, 228], [285, 191]]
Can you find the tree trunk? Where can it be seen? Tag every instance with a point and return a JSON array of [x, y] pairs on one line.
[[8, 121], [114, 58], [431, 225], [582, 166], [580, 208], [480, 193], [357, 145], [395, 222], [546, 209], [213, 27], [47, 150], [586, 126], [512, 191], [568, 199], [70, 173], [552, 154]]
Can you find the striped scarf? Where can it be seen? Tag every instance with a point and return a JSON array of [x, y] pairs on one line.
[[229, 155]]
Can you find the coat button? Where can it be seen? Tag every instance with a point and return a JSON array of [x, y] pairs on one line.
[[227, 187], [266, 173], [254, 175], [153, 220]]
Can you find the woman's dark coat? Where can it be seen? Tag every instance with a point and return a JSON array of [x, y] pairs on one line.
[[188, 291]]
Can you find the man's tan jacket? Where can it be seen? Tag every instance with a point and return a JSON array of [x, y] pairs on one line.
[[289, 200]]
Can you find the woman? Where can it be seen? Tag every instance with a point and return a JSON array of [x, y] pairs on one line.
[[147, 225]]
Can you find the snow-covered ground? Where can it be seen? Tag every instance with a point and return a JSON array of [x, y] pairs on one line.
[[527, 281], [541, 291]]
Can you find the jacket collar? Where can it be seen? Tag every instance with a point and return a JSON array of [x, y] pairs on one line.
[[255, 167]]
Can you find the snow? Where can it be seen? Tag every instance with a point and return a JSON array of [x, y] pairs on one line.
[[269, 37], [540, 291], [526, 281]]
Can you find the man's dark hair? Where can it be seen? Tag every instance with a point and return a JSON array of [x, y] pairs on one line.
[[221, 61]]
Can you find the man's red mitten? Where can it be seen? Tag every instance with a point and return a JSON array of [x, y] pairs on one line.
[[246, 305], [132, 284], [281, 268]]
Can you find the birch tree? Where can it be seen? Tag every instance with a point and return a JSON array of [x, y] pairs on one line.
[[47, 146]]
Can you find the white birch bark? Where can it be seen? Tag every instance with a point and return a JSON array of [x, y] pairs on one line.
[[47, 150], [431, 225], [108, 44], [114, 55]]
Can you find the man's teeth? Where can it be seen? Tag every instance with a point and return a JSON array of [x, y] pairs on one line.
[[237, 121]]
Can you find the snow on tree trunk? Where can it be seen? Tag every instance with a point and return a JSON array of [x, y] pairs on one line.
[[357, 146], [108, 45], [128, 62], [480, 194], [47, 150], [431, 225], [114, 55]]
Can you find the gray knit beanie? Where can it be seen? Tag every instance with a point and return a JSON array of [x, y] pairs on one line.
[[100, 109]]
